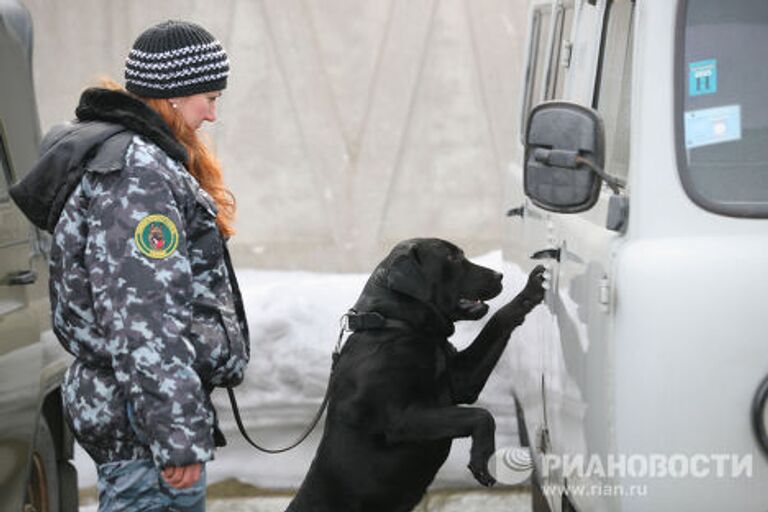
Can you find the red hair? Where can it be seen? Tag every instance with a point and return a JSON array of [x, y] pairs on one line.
[[202, 163]]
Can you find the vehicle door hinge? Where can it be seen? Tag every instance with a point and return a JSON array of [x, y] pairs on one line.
[[566, 54], [604, 293]]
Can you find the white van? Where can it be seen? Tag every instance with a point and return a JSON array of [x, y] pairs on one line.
[[644, 166]]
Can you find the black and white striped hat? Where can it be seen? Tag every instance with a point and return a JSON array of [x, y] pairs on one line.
[[175, 58]]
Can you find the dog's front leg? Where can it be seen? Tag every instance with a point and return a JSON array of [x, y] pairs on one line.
[[470, 368], [448, 423]]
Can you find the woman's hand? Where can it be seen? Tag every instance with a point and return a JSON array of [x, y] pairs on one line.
[[183, 476]]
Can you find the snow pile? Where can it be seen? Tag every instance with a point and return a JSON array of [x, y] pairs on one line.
[[294, 321]]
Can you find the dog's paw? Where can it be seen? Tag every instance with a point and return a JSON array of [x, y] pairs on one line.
[[481, 474], [534, 289]]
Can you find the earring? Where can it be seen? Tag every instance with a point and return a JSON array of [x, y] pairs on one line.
[[174, 105]]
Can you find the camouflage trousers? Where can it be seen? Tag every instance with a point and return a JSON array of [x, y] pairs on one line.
[[136, 485]]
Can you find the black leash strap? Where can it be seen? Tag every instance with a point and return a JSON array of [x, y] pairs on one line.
[[350, 322], [319, 414], [296, 443]]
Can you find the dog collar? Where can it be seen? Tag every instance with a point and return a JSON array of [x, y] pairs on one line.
[[370, 320]]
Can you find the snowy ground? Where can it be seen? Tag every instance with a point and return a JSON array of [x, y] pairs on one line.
[[294, 319]]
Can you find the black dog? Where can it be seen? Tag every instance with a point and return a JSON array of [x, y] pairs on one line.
[[393, 409]]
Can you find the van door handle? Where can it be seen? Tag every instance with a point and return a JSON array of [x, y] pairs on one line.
[[546, 254], [22, 277], [516, 212]]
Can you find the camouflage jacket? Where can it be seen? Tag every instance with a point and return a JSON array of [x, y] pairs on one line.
[[142, 289]]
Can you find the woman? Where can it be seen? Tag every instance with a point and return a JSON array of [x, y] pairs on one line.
[[142, 288]]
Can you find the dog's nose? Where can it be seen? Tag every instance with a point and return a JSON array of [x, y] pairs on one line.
[[498, 276]]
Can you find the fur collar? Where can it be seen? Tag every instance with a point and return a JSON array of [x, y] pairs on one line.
[[97, 104], [43, 191]]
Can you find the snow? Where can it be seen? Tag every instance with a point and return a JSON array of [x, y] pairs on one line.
[[294, 320]]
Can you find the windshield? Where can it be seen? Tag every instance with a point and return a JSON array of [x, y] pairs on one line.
[[723, 81]]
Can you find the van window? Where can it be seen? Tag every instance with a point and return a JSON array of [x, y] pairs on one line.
[[612, 91], [561, 50], [722, 112], [535, 73]]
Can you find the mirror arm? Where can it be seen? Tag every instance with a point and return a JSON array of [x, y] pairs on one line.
[[571, 159], [612, 181]]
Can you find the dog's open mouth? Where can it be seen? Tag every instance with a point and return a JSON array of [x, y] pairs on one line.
[[473, 306], [469, 309]]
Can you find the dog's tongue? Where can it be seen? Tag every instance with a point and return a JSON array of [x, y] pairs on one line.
[[472, 309]]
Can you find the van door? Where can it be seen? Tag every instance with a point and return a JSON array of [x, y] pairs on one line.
[[577, 355], [23, 289], [522, 231], [21, 354], [548, 74], [19, 138]]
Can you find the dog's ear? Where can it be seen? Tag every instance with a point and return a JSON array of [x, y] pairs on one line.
[[405, 276]]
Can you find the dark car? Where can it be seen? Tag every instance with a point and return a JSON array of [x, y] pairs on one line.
[[36, 473]]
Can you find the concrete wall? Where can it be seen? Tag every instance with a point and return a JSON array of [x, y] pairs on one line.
[[348, 124]]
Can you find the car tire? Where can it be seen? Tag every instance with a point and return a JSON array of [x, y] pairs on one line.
[[42, 489]]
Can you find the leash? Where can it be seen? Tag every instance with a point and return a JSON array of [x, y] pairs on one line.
[[297, 442], [351, 321], [345, 327]]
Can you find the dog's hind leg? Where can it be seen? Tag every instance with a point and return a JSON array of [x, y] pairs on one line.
[[415, 425]]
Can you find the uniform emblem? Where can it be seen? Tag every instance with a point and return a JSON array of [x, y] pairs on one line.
[[156, 236]]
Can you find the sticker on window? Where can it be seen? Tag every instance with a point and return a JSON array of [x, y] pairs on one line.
[[712, 126], [702, 77]]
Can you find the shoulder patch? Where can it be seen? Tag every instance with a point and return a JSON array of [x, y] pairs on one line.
[[156, 236]]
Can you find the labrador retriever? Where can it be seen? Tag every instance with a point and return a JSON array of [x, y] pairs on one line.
[[397, 385]]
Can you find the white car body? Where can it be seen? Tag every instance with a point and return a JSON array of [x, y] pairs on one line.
[[657, 339]]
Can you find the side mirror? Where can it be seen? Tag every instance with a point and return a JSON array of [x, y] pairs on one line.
[[564, 156]]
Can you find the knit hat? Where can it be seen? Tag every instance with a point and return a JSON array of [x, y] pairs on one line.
[[175, 58]]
